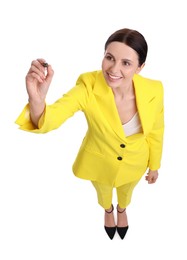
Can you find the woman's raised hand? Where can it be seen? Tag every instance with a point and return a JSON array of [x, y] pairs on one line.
[[38, 80]]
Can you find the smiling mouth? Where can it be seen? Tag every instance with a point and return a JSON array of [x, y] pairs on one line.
[[113, 77]]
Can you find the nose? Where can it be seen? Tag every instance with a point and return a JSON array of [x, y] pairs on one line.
[[115, 67]]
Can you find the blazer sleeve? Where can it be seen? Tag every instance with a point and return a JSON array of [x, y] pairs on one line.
[[58, 112], [155, 137]]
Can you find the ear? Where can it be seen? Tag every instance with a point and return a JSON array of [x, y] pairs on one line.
[[140, 68]]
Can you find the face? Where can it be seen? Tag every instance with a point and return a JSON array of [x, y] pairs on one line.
[[119, 64]]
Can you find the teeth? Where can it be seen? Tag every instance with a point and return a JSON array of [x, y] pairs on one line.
[[114, 77]]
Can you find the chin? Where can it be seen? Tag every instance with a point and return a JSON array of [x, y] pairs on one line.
[[112, 84]]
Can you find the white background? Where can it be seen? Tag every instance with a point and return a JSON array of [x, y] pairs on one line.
[[46, 212]]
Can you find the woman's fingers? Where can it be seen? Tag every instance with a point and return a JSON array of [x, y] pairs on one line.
[[151, 179], [37, 70], [41, 61], [34, 76]]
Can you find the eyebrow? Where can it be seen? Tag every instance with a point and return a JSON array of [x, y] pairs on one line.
[[114, 57]]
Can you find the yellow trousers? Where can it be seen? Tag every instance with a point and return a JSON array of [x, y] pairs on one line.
[[105, 194]]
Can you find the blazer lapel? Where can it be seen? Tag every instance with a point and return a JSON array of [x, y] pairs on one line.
[[145, 101], [107, 105]]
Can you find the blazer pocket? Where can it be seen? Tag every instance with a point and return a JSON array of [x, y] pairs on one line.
[[151, 100], [91, 151]]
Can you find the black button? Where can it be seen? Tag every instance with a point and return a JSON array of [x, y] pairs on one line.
[[119, 158], [122, 145]]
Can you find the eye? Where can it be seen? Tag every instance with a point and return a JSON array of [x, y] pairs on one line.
[[109, 57], [126, 63]]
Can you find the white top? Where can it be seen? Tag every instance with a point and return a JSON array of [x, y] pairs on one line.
[[133, 126]]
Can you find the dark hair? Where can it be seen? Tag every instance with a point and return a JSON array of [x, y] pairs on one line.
[[133, 39]]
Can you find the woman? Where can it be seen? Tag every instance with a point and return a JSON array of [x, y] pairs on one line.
[[124, 112]]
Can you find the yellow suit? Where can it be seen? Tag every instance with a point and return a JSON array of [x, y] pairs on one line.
[[106, 154]]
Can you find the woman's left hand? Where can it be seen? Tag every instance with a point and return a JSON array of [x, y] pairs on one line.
[[152, 176]]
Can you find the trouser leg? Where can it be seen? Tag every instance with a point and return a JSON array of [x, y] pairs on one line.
[[124, 193], [104, 194]]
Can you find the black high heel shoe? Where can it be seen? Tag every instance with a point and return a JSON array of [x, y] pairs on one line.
[[110, 230], [122, 230]]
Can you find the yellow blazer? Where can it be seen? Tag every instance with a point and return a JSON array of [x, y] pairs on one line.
[[106, 154]]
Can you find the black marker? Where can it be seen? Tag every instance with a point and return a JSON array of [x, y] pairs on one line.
[[45, 64]]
